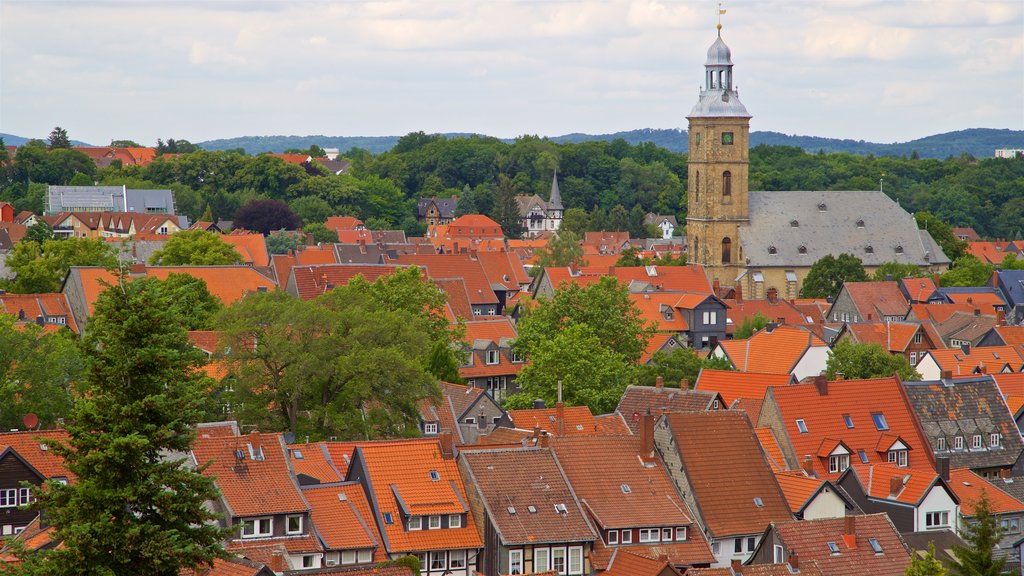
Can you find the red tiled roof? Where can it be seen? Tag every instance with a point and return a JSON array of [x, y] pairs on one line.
[[810, 538], [1011, 335], [991, 252], [878, 480], [775, 352], [313, 460], [401, 469], [798, 488], [503, 268], [772, 452], [28, 307], [250, 486], [251, 248], [719, 445], [969, 487], [639, 400], [343, 517], [774, 311], [992, 358], [807, 568], [823, 417], [669, 278], [891, 336], [938, 312], [206, 340], [33, 447], [578, 420], [490, 330], [986, 302], [463, 266], [227, 283], [313, 281], [877, 300], [733, 385], [653, 308], [339, 223], [458, 297], [611, 425], [624, 562], [919, 289], [474, 225], [228, 567]]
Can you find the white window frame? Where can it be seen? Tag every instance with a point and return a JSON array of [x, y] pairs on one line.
[[433, 522], [976, 442], [309, 561], [681, 533], [493, 357], [898, 457], [575, 564], [456, 559], [936, 520], [24, 495], [913, 358], [455, 520], [288, 522], [666, 534], [9, 498], [626, 537], [650, 535], [429, 428], [364, 557], [613, 537], [441, 559], [958, 442], [556, 555], [515, 562], [801, 426], [710, 317], [778, 554], [838, 463], [539, 566], [415, 522], [940, 443], [993, 440], [348, 557], [256, 528]]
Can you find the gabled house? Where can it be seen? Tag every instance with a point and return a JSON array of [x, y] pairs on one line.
[[14, 472], [344, 524], [869, 302], [824, 427], [436, 211], [1002, 335], [921, 291], [914, 499], [962, 329], [812, 498], [308, 282], [558, 421], [482, 297], [465, 412], [532, 521], [637, 401], [733, 385], [777, 350], [1011, 285], [1004, 508], [967, 421], [259, 499], [967, 361], [50, 311], [702, 451], [848, 546], [698, 319], [667, 224], [908, 339], [489, 361], [630, 499], [419, 504]]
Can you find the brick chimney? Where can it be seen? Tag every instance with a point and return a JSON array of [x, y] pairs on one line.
[[684, 384], [821, 383], [850, 531], [808, 465], [560, 418], [256, 440], [659, 382], [647, 436], [935, 280], [716, 287], [543, 440], [946, 375], [137, 269], [794, 562], [1000, 318], [942, 467], [277, 562], [739, 293], [1005, 473], [895, 485], [736, 565], [447, 444], [773, 295]]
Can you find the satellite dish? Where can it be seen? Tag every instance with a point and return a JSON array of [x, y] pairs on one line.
[[30, 420]]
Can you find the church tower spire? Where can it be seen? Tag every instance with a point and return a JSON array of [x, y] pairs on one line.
[[718, 170]]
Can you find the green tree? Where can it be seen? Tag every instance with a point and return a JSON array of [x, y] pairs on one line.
[[828, 274], [191, 298], [37, 371], [967, 270], [676, 365], [207, 214], [134, 508], [858, 361], [506, 209], [750, 325], [311, 209], [125, 144], [39, 232], [282, 241], [562, 250], [1010, 262], [41, 268], [59, 138], [981, 535], [195, 248], [631, 257], [942, 233], [575, 220], [897, 271], [321, 233], [926, 565], [590, 373]]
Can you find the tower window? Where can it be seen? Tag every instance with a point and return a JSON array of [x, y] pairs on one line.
[[726, 183], [696, 138], [726, 250], [772, 250], [696, 185], [802, 249], [727, 138]]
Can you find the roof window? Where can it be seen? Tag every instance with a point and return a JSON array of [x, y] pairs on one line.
[[388, 518], [822, 207], [863, 456], [869, 249], [801, 426], [511, 510], [531, 509], [802, 249], [880, 422], [848, 420], [434, 475], [561, 509], [860, 223], [899, 248], [833, 548], [758, 502], [773, 250], [297, 454], [875, 545], [794, 223], [626, 489]]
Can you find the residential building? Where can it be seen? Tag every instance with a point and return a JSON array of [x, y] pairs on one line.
[[532, 521], [489, 361], [702, 451], [813, 498], [538, 216], [848, 546], [482, 297], [908, 339], [966, 361], [344, 524], [25, 459], [667, 224], [659, 399], [436, 211], [869, 302], [921, 291], [49, 311], [419, 504], [1005, 508], [733, 385], [309, 281], [467, 413], [915, 499], [777, 350], [108, 199]]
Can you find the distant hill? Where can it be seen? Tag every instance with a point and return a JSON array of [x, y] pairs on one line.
[[979, 142], [12, 140]]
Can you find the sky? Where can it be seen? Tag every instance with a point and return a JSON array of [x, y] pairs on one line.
[[875, 70]]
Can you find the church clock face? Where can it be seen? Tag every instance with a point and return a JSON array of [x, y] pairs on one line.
[[727, 138]]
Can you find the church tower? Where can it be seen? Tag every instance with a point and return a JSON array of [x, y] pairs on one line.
[[718, 169]]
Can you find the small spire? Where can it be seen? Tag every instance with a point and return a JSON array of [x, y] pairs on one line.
[[719, 26]]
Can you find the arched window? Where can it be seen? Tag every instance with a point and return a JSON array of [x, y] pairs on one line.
[[726, 183], [696, 185], [693, 250], [726, 250]]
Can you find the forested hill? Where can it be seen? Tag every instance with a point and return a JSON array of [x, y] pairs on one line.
[[978, 142]]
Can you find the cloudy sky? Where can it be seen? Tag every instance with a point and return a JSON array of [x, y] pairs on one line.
[[878, 70]]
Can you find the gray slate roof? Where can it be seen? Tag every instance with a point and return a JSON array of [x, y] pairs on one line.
[[445, 206], [108, 198], [965, 407], [833, 223]]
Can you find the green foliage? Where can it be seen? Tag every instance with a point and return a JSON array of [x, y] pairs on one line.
[[828, 274], [981, 534], [59, 138], [1010, 262], [352, 364], [311, 209], [125, 144], [562, 250], [41, 268], [37, 371], [926, 565], [131, 510], [39, 232], [967, 270], [677, 365], [942, 233], [321, 233], [631, 257], [282, 241], [856, 361], [506, 209], [410, 562], [195, 248], [750, 325], [897, 271], [190, 297]]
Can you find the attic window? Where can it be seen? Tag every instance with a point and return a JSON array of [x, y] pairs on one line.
[[511, 510], [880, 422], [388, 518], [434, 476], [802, 249], [794, 223], [869, 249], [848, 420], [899, 249], [531, 509], [297, 454], [833, 548], [822, 207], [875, 545], [801, 426], [863, 456], [561, 509], [773, 250], [625, 489], [758, 502], [860, 223]]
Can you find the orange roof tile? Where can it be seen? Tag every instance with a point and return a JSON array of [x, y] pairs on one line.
[[775, 352], [578, 420], [990, 358], [824, 417], [339, 223], [639, 400], [503, 268], [33, 447], [938, 312], [463, 266], [798, 488], [227, 283], [718, 445], [1011, 335], [810, 539], [969, 487], [877, 300], [251, 486], [458, 297], [919, 289], [733, 385], [474, 225], [251, 248], [624, 562], [611, 425], [991, 252], [807, 568], [878, 480], [312, 281], [206, 340], [490, 330], [29, 307], [401, 469], [343, 517], [229, 567], [891, 336], [314, 461], [987, 302], [659, 309], [772, 452], [779, 310]]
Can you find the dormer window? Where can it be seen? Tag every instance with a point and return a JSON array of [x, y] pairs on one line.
[[434, 522], [993, 440], [294, 524], [976, 442], [773, 250], [257, 527], [455, 521], [802, 249], [493, 357], [860, 223], [898, 457], [429, 428], [958, 443], [899, 249], [838, 462], [794, 223], [415, 522], [869, 249], [822, 207]]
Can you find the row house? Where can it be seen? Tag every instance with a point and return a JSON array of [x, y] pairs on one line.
[[490, 361], [701, 450], [966, 361], [108, 199], [466, 413], [638, 279], [908, 339], [964, 330], [114, 225], [532, 521], [777, 350], [25, 457]]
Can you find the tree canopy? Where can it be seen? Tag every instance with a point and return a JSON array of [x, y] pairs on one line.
[[828, 274], [41, 268], [676, 365], [562, 250], [981, 534], [37, 372], [265, 216], [967, 270], [857, 361], [195, 248]]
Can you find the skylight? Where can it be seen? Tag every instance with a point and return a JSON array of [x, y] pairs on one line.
[[511, 510], [388, 519], [863, 456], [875, 545], [758, 502], [833, 548], [531, 509], [801, 426], [626, 489], [561, 509], [297, 454], [880, 422], [848, 420]]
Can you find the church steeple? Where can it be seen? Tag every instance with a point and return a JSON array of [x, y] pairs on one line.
[[555, 200]]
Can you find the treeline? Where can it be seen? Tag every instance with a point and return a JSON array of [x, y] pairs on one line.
[[604, 185]]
